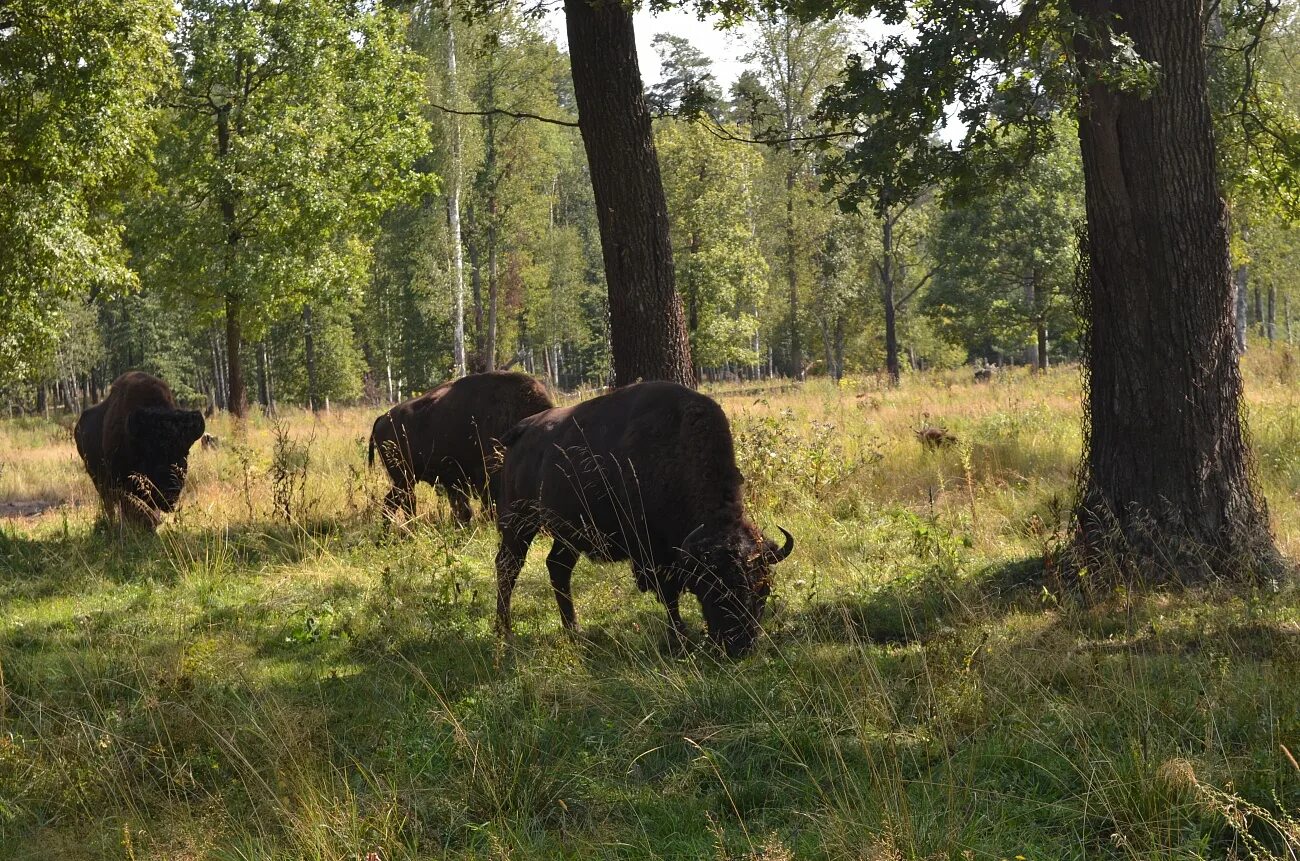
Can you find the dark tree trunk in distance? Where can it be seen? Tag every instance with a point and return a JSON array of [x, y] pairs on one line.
[[1241, 279], [237, 398], [236, 394], [887, 276], [647, 329], [477, 362], [309, 356], [1270, 325], [1168, 492], [792, 277]]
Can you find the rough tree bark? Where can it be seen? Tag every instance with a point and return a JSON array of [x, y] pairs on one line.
[[1168, 492], [647, 326]]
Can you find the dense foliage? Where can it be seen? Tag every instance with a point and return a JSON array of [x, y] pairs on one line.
[[288, 172]]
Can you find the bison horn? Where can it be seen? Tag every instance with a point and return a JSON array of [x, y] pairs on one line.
[[787, 549], [692, 534]]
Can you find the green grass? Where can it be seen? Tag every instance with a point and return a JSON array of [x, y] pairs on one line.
[[246, 686]]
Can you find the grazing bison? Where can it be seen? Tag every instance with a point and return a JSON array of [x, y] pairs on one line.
[[136, 444], [447, 437], [645, 473], [934, 438]]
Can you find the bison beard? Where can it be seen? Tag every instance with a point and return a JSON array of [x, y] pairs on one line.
[[448, 436], [135, 445], [647, 474]]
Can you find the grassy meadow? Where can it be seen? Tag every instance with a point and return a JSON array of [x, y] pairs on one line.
[[279, 674]]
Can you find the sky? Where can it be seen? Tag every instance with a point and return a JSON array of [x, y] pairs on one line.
[[724, 48]]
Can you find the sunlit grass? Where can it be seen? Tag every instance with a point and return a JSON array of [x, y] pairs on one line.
[[251, 685]]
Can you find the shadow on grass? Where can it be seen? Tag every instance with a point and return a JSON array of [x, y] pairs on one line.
[[913, 609], [59, 562]]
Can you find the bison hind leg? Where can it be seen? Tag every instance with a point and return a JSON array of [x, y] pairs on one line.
[[559, 564], [510, 561], [400, 496]]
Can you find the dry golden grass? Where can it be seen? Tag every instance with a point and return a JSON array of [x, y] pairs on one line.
[[1019, 439]]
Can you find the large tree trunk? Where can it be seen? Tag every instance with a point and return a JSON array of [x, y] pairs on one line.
[[647, 329], [1167, 491]]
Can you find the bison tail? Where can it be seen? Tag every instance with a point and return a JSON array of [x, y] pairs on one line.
[[512, 436], [370, 458]]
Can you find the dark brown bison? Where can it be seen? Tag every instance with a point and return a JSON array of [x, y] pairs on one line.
[[934, 438], [447, 437], [645, 473], [136, 444]]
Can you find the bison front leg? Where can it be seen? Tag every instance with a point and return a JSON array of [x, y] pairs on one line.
[[559, 563], [460, 508], [669, 591]]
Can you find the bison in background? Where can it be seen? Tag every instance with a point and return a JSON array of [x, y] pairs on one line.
[[447, 437], [135, 444], [646, 473]]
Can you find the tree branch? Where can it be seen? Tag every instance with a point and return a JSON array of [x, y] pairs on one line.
[[519, 115], [898, 306], [714, 128]]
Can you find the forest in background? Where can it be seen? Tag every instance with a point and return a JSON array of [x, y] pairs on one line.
[[286, 181]]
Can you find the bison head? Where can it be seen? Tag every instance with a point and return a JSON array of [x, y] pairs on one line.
[[160, 444], [731, 575]]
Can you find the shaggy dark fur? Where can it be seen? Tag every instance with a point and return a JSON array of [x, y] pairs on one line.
[[934, 438], [135, 445], [447, 437], [646, 473]]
